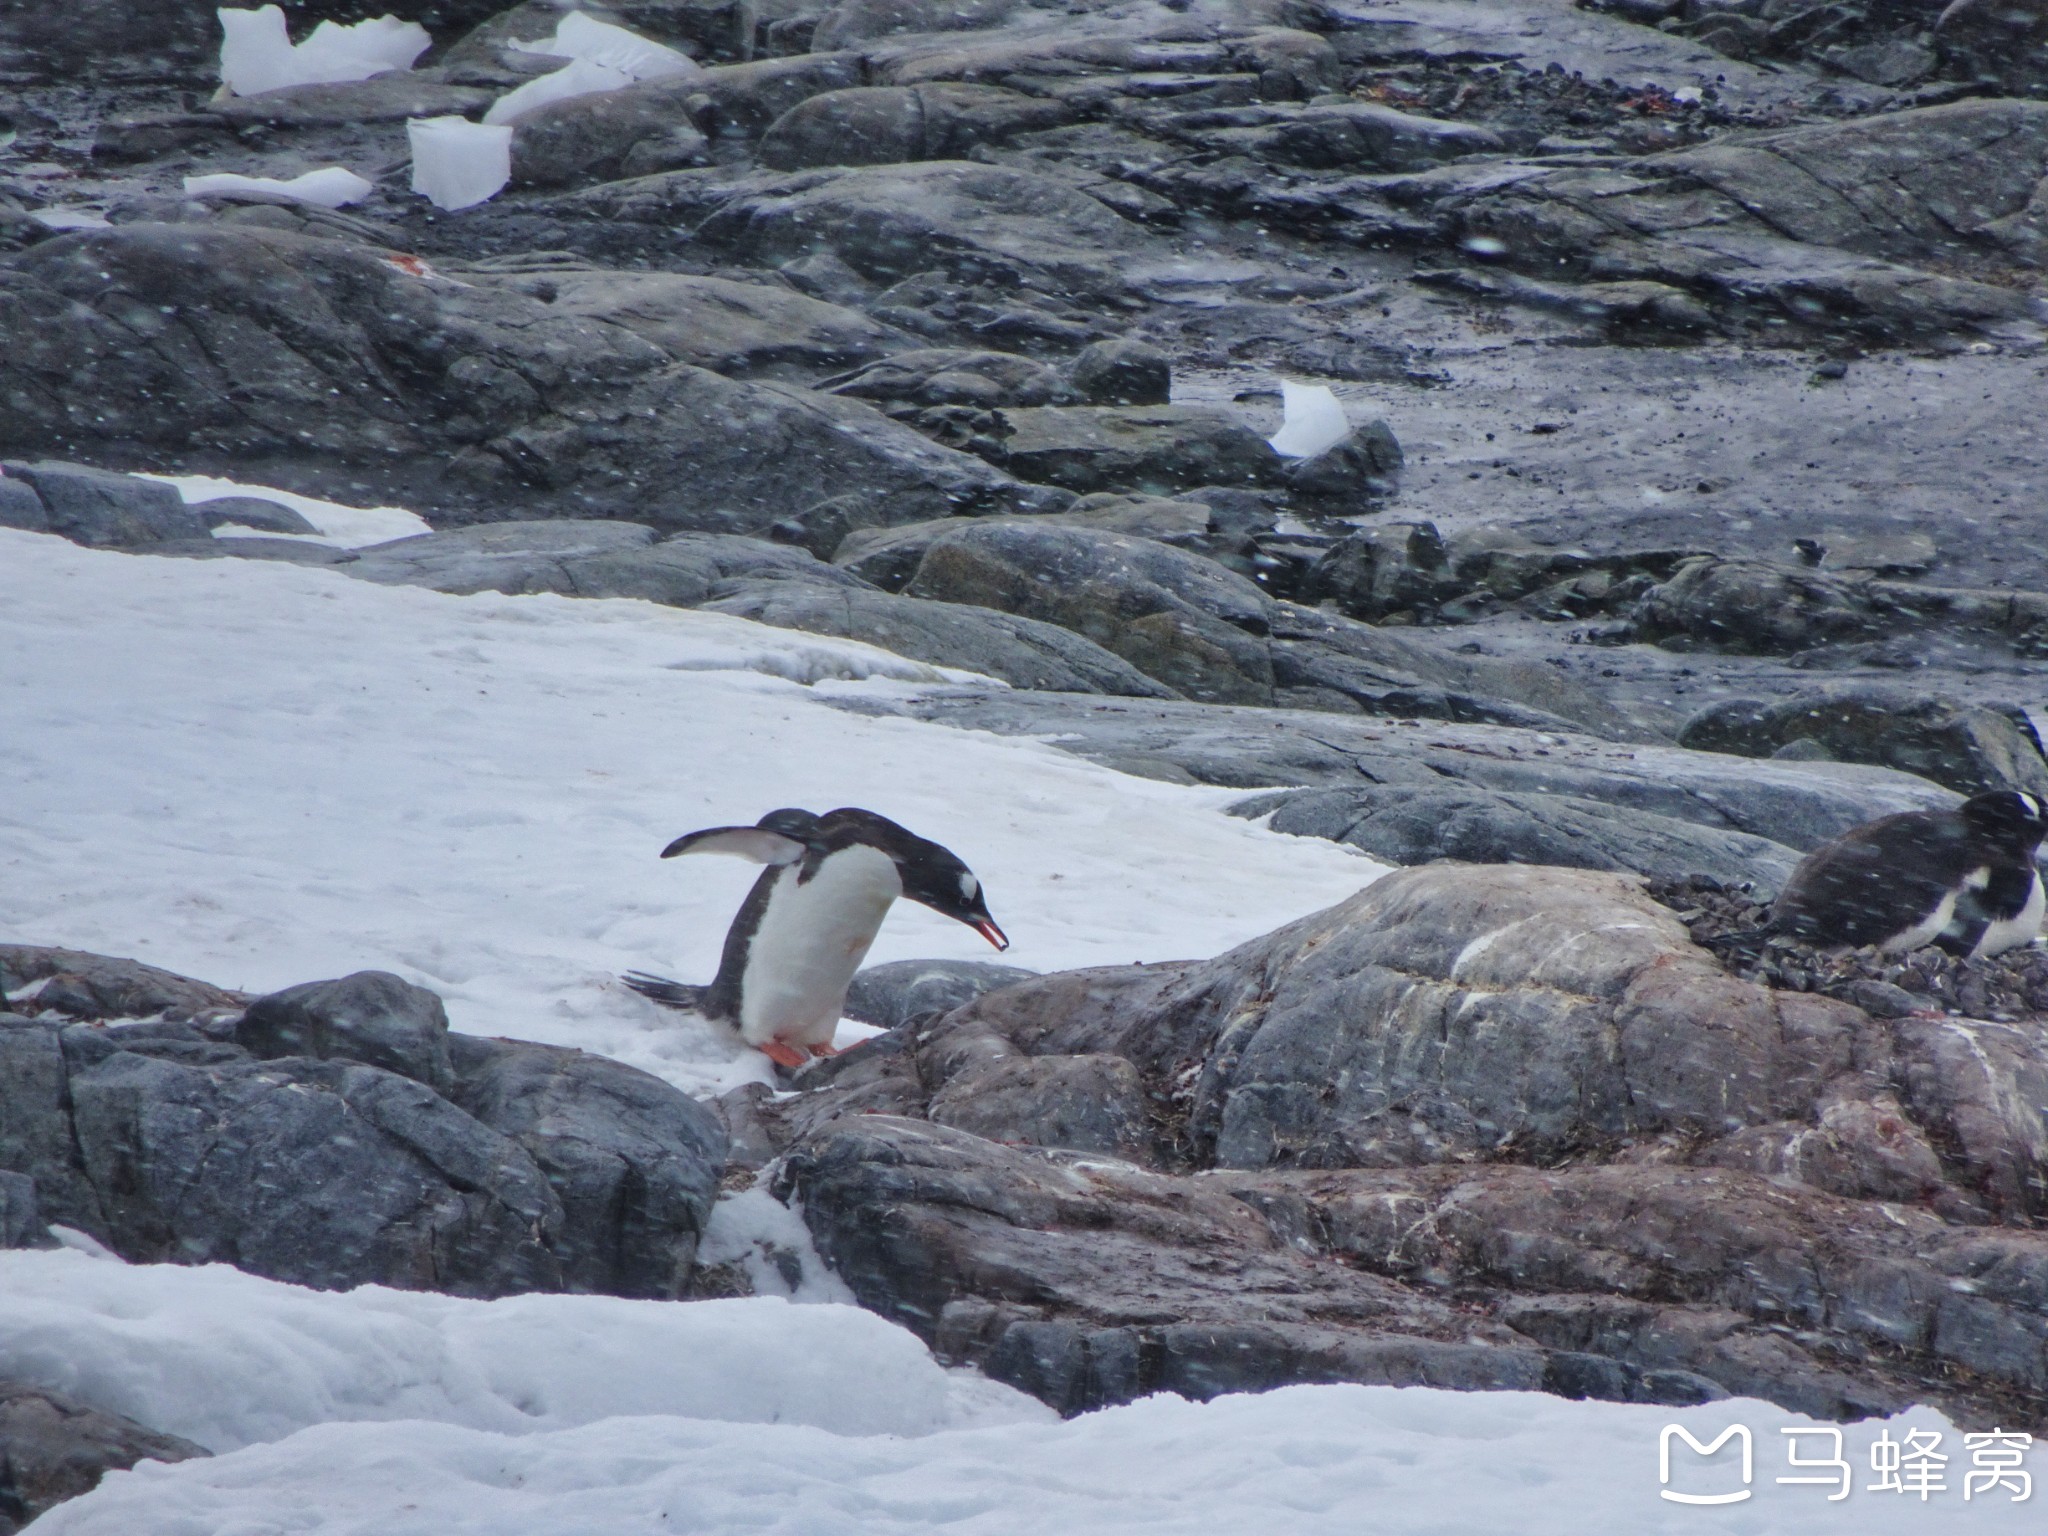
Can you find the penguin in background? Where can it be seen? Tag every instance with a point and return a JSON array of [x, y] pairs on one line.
[[808, 922], [1963, 878]]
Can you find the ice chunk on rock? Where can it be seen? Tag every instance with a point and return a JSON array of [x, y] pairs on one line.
[[581, 36], [257, 53], [331, 186], [1314, 421], [579, 77], [457, 163]]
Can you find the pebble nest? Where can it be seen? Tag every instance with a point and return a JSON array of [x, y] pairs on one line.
[[1726, 921]]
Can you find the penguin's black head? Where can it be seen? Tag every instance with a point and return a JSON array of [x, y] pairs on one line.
[[932, 874], [2009, 819], [934, 878]]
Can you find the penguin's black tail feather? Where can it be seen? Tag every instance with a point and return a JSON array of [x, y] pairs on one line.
[[670, 994]]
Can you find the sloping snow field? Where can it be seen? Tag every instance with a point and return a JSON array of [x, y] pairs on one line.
[[262, 774]]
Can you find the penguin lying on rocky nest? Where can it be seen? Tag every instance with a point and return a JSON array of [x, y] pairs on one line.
[[1963, 879], [806, 926]]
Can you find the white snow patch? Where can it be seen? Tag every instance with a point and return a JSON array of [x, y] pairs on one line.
[[263, 774], [347, 527], [772, 1247], [1303, 1461], [229, 1360], [69, 218], [456, 163], [578, 77], [579, 35], [1314, 420], [331, 186], [257, 53]]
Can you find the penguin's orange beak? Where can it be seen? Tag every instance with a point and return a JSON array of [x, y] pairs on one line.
[[987, 928]]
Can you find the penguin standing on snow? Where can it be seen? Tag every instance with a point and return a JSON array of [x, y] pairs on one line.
[[1962, 878], [806, 926]]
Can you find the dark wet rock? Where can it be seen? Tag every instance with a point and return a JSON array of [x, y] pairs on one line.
[[589, 558], [883, 125], [954, 376], [1176, 617], [634, 1162], [347, 368], [82, 985], [386, 98], [536, 1168], [1122, 372], [1968, 748], [636, 131], [1755, 607], [1797, 804], [98, 508], [389, 1183], [1362, 473], [54, 1448], [1414, 824], [1157, 449], [1357, 136], [21, 1214], [1023, 652], [891, 222], [372, 1017], [889, 557], [742, 330], [252, 512], [901, 991]]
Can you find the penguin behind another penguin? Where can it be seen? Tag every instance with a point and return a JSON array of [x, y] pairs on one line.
[[1964, 879]]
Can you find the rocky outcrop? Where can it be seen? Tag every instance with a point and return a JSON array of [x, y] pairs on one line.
[[342, 364], [336, 1134], [53, 1449], [1523, 1091]]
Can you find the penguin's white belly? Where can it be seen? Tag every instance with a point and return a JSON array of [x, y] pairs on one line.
[[1924, 932], [2011, 932], [811, 939]]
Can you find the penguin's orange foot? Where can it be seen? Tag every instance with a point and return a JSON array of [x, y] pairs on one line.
[[827, 1049], [783, 1054]]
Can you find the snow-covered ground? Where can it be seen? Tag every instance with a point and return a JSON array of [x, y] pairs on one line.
[[263, 774]]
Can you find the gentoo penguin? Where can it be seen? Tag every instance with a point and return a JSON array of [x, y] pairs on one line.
[[807, 924], [1962, 878]]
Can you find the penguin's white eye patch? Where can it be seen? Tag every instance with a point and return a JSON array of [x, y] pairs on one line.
[[969, 887]]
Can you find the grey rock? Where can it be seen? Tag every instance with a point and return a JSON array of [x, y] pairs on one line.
[[388, 98], [1176, 617], [372, 1017], [82, 985], [519, 556], [105, 510], [1748, 605], [355, 373], [1360, 474], [639, 130], [1414, 824], [1969, 748], [1021, 651], [889, 557], [977, 222], [633, 1162], [21, 507], [1089, 1103], [53, 1448], [882, 125], [252, 512], [1157, 450], [1800, 805], [901, 991], [389, 1183], [954, 376], [21, 1215], [1360, 136], [858, 21], [742, 330], [1122, 372]]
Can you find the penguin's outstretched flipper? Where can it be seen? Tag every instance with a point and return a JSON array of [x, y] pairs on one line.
[[670, 994]]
